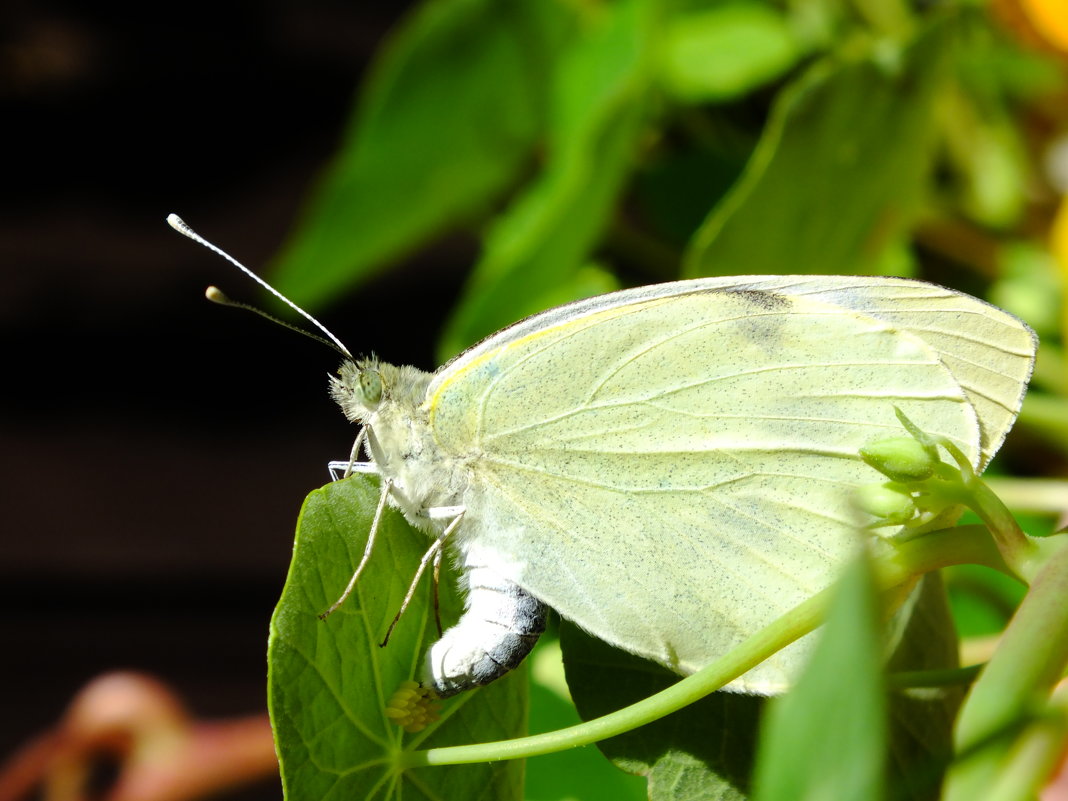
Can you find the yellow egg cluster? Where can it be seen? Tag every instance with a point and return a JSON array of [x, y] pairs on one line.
[[413, 707]]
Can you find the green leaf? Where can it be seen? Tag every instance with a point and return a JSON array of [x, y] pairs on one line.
[[837, 176], [599, 105], [719, 53], [826, 738], [448, 117], [329, 681], [988, 164], [921, 719], [702, 751]]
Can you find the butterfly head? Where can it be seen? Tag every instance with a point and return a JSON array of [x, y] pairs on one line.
[[359, 388], [367, 389]]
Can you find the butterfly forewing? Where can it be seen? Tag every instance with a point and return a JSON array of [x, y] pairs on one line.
[[672, 473]]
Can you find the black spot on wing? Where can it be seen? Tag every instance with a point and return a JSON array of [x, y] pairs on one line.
[[762, 316], [760, 299]]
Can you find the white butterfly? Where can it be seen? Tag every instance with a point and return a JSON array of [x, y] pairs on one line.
[[671, 467]]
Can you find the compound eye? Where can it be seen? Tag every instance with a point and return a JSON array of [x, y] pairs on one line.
[[370, 387]]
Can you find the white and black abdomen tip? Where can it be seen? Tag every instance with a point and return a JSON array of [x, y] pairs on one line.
[[502, 623]]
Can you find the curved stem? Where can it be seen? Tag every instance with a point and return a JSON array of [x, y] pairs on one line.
[[947, 677], [1031, 494], [893, 567], [791, 626], [1025, 555]]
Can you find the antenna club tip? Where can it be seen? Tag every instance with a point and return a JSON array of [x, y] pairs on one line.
[[179, 225], [216, 296]]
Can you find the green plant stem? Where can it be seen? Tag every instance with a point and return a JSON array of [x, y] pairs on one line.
[[1047, 416], [1051, 369], [1030, 659], [1031, 494], [894, 567], [910, 679], [954, 546], [791, 626], [1027, 556]]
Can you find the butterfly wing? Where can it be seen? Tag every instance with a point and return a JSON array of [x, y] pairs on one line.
[[672, 471], [989, 352]]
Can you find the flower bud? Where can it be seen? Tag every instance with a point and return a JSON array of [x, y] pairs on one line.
[[889, 503], [901, 458]]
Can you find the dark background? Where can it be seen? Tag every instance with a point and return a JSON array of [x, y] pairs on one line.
[[156, 448]]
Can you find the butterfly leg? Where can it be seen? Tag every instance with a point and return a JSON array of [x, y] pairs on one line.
[[351, 466], [437, 594], [433, 552], [366, 552], [343, 468], [500, 627]]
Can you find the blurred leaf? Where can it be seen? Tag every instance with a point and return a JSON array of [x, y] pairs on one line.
[[1001, 721], [921, 720], [826, 738], [997, 71], [702, 751], [990, 166], [674, 192], [987, 158], [448, 117], [598, 110], [722, 52], [1029, 285], [329, 681], [1059, 249], [982, 599], [588, 281], [838, 174]]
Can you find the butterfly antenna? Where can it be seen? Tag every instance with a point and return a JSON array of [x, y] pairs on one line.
[[216, 296]]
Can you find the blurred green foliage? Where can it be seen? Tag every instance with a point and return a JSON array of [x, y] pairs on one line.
[[589, 145]]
